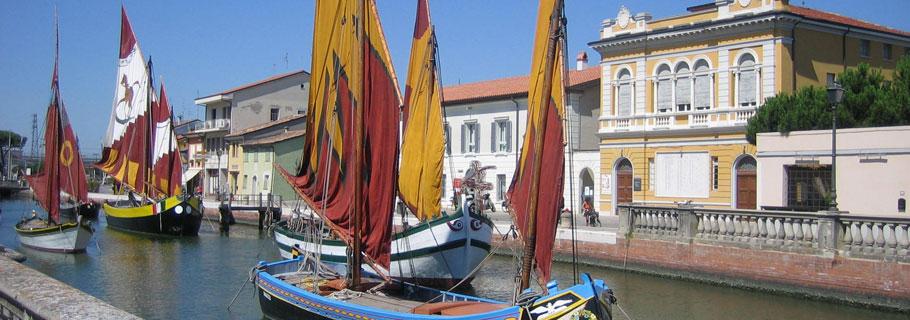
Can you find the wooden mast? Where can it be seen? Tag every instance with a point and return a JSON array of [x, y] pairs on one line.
[[357, 259], [527, 258]]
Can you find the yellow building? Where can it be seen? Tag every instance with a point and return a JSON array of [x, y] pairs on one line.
[[678, 92]]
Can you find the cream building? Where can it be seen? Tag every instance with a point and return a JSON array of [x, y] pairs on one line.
[[677, 92]]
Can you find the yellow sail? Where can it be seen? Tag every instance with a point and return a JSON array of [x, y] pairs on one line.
[[423, 143]]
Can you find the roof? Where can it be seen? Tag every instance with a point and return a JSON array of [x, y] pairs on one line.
[[509, 87], [265, 125], [276, 138], [253, 84], [836, 18]]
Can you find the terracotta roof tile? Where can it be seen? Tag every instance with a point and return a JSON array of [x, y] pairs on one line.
[[253, 84], [509, 87], [836, 18]]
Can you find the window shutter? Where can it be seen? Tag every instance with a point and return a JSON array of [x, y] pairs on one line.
[[683, 90], [477, 138], [464, 137], [625, 99], [493, 133], [747, 86], [508, 136], [663, 94], [703, 91]]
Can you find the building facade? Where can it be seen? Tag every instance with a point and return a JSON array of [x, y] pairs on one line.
[[235, 110], [872, 167], [485, 121], [676, 93], [251, 154]]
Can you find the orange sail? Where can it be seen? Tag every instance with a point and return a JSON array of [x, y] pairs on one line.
[[423, 143], [535, 195], [351, 69]]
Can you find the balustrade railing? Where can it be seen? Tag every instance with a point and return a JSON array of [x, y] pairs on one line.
[[814, 232]]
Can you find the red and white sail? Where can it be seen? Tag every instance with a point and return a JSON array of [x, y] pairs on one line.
[[167, 167], [125, 155]]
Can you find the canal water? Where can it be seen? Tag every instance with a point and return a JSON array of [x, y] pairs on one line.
[[196, 278]]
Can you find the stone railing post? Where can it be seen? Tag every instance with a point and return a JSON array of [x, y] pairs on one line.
[[688, 222], [625, 221], [829, 231]]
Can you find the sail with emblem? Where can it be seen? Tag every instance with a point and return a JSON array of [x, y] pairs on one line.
[[535, 196], [352, 75], [423, 140], [125, 155]]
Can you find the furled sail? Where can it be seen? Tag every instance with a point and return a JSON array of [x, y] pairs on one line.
[[423, 143], [535, 195], [63, 169], [126, 145], [167, 167], [351, 69]]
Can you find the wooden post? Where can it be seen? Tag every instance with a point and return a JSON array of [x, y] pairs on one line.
[[527, 258], [356, 259]]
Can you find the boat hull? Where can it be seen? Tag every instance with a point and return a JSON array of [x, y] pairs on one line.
[[278, 299], [437, 253], [66, 238], [175, 217]]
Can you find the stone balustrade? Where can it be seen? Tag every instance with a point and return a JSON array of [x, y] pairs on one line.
[[874, 237]]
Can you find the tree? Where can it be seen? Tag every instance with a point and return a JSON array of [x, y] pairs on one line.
[[8, 141], [869, 101]]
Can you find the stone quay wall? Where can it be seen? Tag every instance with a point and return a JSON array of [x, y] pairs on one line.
[[828, 255], [28, 294]]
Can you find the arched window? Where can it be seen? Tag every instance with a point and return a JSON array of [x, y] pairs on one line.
[[664, 89], [624, 93], [683, 87], [703, 86], [747, 82]]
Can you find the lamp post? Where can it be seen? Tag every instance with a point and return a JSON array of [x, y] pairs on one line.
[[835, 96]]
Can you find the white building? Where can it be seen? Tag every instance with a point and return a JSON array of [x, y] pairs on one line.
[[486, 122]]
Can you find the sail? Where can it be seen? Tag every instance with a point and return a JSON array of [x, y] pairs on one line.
[[351, 68], [543, 146], [72, 169], [167, 167], [126, 143], [423, 143], [46, 184]]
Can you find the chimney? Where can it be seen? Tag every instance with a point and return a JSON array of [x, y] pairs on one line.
[[581, 61]]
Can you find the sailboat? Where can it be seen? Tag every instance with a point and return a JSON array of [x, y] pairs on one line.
[[442, 249], [63, 172], [304, 288], [140, 152]]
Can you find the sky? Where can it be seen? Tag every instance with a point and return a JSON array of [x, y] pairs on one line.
[[203, 47]]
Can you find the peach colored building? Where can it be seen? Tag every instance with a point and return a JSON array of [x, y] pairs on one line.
[[873, 169]]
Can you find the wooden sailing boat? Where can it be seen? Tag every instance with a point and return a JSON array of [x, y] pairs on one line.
[[140, 152], [442, 249], [303, 288], [63, 171]]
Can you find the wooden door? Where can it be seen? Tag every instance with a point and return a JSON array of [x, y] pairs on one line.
[[745, 189], [624, 183]]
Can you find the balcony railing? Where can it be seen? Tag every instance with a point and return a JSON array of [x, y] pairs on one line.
[[721, 117], [211, 125], [212, 161]]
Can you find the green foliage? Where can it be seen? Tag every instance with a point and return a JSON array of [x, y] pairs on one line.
[[869, 101], [9, 138]]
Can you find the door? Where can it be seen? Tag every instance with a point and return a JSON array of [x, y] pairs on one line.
[[624, 182], [745, 183]]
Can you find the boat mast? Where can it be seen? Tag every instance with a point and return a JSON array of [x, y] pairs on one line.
[[527, 258], [149, 135], [356, 259]]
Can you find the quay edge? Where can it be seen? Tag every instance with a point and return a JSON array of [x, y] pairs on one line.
[[26, 293]]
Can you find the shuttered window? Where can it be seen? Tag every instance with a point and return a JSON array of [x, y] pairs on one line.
[[683, 88], [702, 86], [748, 78], [470, 139], [448, 133], [624, 96], [501, 136], [664, 90]]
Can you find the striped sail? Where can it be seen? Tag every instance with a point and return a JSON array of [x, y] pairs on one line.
[[536, 190], [423, 143], [351, 69], [167, 167]]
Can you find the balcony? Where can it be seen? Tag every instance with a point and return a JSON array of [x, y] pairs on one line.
[[675, 121], [211, 125], [212, 161]]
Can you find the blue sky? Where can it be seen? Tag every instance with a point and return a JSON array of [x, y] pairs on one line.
[[203, 47]]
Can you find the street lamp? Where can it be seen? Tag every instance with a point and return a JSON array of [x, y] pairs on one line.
[[835, 96]]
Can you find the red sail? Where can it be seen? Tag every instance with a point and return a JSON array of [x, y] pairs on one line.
[[72, 169], [544, 143], [351, 70], [46, 184], [168, 167]]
